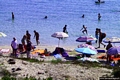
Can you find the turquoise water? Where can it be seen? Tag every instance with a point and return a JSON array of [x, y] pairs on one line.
[[29, 15]]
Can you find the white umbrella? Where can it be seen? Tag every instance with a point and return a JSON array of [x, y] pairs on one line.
[[59, 35], [2, 34], [112, 40]]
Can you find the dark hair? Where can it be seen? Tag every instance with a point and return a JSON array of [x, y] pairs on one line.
[[109, 42]]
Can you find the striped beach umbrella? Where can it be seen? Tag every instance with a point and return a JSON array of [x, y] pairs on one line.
[[59, 35], [85, 38]]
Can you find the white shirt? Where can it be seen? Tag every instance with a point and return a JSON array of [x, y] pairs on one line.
[[14, 44]]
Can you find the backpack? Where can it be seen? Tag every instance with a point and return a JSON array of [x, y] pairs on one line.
[[103, 35]]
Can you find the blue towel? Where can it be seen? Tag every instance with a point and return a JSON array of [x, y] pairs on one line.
[[101, 51]]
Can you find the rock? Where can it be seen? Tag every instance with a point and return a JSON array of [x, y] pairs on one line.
[[11, 61], [18, 69]]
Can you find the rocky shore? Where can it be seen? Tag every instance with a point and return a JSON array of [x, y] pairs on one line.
[[47, 69]]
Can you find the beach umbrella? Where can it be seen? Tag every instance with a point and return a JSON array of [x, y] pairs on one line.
[[112, 40], [85, 51], [87, 46], [113, 50], [85, 38], [2, 34], [59, 35]]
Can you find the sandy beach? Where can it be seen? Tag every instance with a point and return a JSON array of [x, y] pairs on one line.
[[47, 69]]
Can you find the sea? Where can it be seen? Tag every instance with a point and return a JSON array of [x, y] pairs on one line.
[[29, 15]]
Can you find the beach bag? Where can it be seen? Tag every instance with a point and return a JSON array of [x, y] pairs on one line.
[[103, 35]]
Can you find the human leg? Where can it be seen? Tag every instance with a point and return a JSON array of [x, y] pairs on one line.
[[28, 54]]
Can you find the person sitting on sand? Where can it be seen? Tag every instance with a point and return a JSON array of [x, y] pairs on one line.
[[107, 48], [84, 29], [109, 45]]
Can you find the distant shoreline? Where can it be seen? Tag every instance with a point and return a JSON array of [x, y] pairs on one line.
[[48, 47]]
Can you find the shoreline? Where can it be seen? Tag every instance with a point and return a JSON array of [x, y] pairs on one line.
[[49, 47]]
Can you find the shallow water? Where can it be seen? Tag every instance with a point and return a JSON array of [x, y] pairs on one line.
[[29, 15]]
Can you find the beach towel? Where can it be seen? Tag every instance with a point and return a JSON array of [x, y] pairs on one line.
[[40, 51], [88, 59], [58, 56], [64, 54], [4, 50], [101, 51]]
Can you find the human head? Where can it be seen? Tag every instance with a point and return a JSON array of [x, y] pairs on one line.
[[109, 42], [14, 38], [83, 25], [27, 31], [34, 31]]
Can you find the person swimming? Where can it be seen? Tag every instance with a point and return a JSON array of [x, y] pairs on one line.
[[45, 17], [83, 16], [99, 16]]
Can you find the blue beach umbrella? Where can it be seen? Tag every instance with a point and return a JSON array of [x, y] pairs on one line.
[[85, 51]]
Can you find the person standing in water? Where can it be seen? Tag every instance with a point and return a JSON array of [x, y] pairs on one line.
[[99, 16], [84, 29], [65, 29], [99, 1], [13, 16]]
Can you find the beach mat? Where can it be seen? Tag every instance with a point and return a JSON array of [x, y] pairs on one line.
[[101, 51], [40, 51]]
